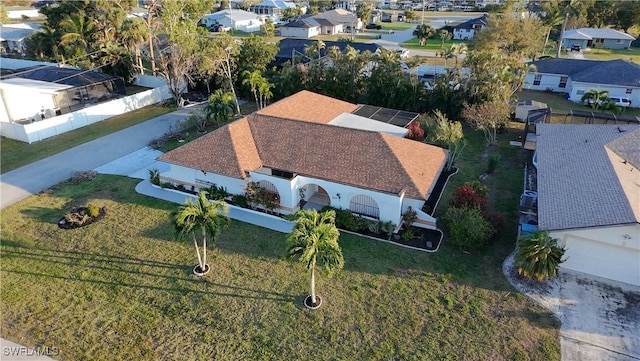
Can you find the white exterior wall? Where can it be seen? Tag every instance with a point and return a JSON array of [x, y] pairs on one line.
[[424, 220], [190, 176], [299, 32], [579, 88], [463, 34], [547, 81], [18, 14], [609, 252], [248, 26], [25, 103], [66, 122]]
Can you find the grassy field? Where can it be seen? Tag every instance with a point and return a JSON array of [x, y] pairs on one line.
[[432, 44], [15, 154], [122, 288]]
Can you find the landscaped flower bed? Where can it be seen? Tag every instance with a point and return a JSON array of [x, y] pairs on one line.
[[82, 216]]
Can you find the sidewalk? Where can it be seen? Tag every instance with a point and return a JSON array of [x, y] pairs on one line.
[[20, 183]]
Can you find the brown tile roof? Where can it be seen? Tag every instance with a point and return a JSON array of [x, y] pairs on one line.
[[354, 157], [230, 151], [309, 107]]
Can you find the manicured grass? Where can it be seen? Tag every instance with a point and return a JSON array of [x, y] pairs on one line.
[[122, 288], [632, 54], [432, 44], [397, 26], [15, 154]]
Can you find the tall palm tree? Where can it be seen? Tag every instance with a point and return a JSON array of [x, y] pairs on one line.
[[444, 36], [260, 86], [315, 49], [596, 98], [314, 241], [134, 33], [78, 31], [539, 256], [219, 106], [423, 33], [208, 218]]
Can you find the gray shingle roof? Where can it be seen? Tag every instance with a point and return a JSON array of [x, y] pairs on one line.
[[469, 24], [577, 184], [628, 147], [612, 72], [596, 33]]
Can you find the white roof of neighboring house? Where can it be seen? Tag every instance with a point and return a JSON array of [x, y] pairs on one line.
[[276, 4], [596, 33], [233, 14], [17, 32], [581, 183], [41, 86], [349, 120]]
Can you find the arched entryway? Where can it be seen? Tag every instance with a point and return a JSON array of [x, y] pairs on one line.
[[364, 205], [316, 197]]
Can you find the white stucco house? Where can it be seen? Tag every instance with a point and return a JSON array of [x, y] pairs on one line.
[[301, 28], [620, 78], [235, 19], [588, 181], [468, 29], [273, 9], [341, 16], [313, 144], [597, 38]]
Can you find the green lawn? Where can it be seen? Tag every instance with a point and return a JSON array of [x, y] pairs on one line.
[[15, 154], [432, 44], [397, 26], [632, 54], [122, 289], [561, 106]]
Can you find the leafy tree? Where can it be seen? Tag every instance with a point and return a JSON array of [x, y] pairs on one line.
[[219, 56], [457, 50], [364, 11], [444, 36], [219, 107], [596, 98], [410, 15], [423, 33], [467, 228], [447, 134], [268, 29], [487, 117], [496, 76], [79, 33], [568, 8], [600, 13], [627, 14], [255, 53], [314, 241], [134, 33], [291, 13], [539, 256], [4, 16], [510, 35], [207, 218], [551, 15]]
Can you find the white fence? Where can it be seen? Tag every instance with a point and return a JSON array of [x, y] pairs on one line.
[[50, 127]]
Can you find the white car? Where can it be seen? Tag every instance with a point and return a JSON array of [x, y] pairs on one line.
[[403, 53]]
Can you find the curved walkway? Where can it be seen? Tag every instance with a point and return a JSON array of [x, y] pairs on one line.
[[600, 319]]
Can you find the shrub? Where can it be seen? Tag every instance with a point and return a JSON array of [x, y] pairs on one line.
[[347, 220], [409, 216], [217, 193], [539, 256], [79, 177], [240, 200], [467, 229], [415, 131], [93, 210], [154, 176], [493, 161], [466, 197], [497, 221], [388, 227], [479, 187]]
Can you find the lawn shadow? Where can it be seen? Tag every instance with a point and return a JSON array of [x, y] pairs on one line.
[[112, 265]]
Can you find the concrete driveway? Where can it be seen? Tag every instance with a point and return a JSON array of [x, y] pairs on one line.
[[600, 318]]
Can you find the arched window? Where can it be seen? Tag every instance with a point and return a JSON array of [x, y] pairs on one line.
[[365, 205]]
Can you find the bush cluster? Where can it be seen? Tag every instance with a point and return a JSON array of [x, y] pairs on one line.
[[346, 220], [469, 221]]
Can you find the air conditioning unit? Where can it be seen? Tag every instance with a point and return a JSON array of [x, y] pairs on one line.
[[529, 199]]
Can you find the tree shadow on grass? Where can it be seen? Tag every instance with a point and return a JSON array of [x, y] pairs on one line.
[[113, 264]]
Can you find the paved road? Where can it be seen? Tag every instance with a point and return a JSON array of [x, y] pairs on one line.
[[35, 177]]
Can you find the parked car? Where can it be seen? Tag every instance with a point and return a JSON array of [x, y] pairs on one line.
[[575, 47], [622, 102], [403, 53], [373, 26], [218, 28]]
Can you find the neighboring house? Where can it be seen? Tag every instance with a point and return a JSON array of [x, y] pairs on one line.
[[288, 48], [588, 184], [235, 19], [597, 38], [329, 27], [468, 29], [301, 28], [341, 16], [620, 78], [327, 149], [12, 36], [272, 9]]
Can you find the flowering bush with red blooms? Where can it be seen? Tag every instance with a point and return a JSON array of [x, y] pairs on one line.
[[466, 197], [415, 131]]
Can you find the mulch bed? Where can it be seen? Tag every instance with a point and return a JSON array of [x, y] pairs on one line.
[[425, 236], [431, 203], [78, 212]]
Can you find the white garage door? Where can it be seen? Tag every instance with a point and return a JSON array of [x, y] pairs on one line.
[[603, 260]]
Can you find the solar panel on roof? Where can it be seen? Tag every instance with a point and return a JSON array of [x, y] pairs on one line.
[[400, 118]]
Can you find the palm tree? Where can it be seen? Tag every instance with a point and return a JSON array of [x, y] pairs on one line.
[[78, 31], [423, 33], [315, 49], [458, 49], [444, 36], [260, 86], [207, 217], [134, 33], [595, 98], [539, 256], [314, 241], [219, 106]]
